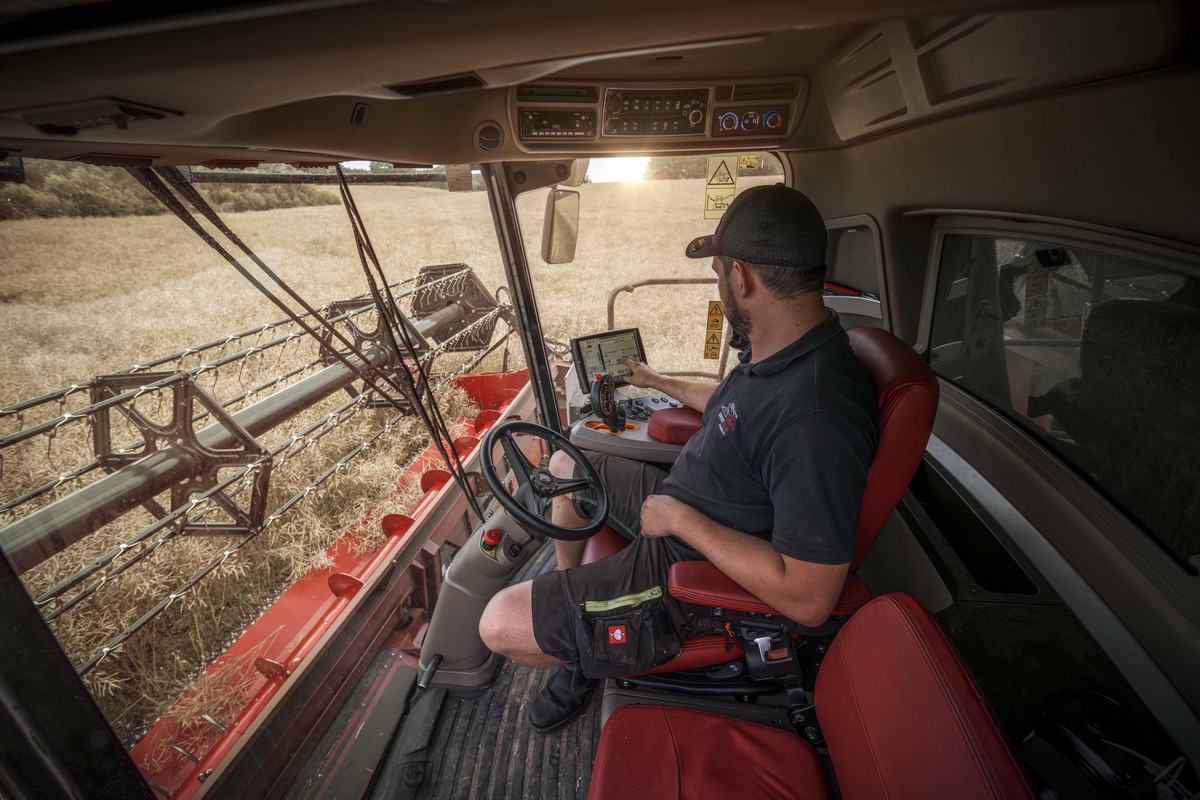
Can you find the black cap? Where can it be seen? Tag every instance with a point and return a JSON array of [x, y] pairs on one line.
[[773, 225]]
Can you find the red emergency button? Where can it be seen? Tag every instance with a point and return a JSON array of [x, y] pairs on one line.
[[492, 537]]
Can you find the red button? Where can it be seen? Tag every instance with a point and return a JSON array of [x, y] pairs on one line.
[[492, 537]]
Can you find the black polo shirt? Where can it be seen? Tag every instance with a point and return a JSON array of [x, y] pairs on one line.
[[785, 449]]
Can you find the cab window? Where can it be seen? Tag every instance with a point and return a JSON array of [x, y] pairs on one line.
[[1096, 355], [636, 216]]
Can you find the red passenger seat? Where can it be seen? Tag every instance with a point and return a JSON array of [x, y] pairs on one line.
[[901, 718]]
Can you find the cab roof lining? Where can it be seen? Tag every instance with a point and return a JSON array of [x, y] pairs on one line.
[[263, 80]]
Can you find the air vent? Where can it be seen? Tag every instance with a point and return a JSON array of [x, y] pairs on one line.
[[68, 119], [442, 85], [558, 94], [764, 91], [488, 137]]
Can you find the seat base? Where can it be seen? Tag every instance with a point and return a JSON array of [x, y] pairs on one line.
[[663, 752]]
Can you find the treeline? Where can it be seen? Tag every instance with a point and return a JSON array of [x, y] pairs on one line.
[[68, 189]]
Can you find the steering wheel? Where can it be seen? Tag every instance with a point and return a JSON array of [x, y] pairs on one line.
[[529, 503]]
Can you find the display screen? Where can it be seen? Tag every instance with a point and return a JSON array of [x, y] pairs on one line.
[[602, 353]]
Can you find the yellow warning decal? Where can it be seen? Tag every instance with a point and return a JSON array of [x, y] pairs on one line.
[[1037, 285], [720, 186], [749, 161], [712, 330]]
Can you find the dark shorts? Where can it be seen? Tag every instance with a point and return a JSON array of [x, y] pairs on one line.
[[614, 616]]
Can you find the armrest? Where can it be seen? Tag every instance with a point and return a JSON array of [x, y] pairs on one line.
[[701, 584], [674, 425]]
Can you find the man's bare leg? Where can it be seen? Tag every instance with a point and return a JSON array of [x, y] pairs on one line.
[[507, 627], [562, 512]]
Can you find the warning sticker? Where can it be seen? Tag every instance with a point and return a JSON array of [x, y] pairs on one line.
[[1037, 285], [458, 177], [720, 186], [712, 344], [716, 316], [749, 161], [712, 330]]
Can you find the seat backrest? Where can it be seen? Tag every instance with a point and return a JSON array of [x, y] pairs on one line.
[[908, 398], [901, 716]]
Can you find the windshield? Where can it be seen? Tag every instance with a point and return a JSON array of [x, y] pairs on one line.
[[105, 295], [636, 215]]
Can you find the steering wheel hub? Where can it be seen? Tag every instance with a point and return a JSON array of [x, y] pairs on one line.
[[529, 503]]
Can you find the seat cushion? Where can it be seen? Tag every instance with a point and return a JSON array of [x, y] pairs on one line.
[[702, 584], [703, 651], [603, 544], [662, 753], [901, 716]]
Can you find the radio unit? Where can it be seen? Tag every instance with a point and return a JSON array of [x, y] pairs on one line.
[[557, 123], [655, 112]]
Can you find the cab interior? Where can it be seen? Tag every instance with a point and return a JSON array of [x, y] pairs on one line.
[[1010, 191]]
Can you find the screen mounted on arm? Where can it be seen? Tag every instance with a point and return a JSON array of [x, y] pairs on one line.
[[602, 353]]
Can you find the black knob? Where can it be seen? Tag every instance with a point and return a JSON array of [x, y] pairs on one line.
[[695, 116], [773, 120], [728, 121], [750, 120]]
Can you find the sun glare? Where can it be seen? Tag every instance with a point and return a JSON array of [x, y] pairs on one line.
[[613, 170]]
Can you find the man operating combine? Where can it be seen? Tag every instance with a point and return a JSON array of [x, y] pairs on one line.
[[768, 490]]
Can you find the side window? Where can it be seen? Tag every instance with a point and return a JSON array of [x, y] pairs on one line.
[[1097, 355]]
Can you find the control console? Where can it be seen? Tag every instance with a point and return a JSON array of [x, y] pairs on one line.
[[626, 434], [655, 112], [611, 423], [759, 120]]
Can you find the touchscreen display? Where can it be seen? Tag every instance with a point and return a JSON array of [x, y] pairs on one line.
[[602, 353]]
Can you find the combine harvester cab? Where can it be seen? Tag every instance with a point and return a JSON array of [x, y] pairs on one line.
[[968, 490]]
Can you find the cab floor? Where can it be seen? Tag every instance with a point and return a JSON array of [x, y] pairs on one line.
[[483, 746]]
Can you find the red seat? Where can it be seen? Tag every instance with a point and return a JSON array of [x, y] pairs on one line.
[[901, 718], [908, 397]]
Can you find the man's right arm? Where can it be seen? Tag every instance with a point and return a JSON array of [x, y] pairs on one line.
[[694, 394]]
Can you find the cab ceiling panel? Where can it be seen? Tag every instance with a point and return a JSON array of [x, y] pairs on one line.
[[244, 61], [900, 72]]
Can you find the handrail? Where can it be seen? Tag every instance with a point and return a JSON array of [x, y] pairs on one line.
[[631, 287]]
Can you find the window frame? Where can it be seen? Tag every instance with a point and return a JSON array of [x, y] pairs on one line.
[[878, 309]]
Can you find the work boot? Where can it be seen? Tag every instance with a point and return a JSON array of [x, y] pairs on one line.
[[565, 694]]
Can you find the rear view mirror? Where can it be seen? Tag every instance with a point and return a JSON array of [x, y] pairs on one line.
[[560, 228], [579, 168]]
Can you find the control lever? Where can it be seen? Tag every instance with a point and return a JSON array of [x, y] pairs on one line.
[[605, 404]]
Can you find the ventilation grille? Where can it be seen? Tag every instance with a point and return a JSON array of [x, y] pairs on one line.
[[488, 137], [558, 94], [442, 85], [764, 91]]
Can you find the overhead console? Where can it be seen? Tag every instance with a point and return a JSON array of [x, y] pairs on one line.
[[580, 116]]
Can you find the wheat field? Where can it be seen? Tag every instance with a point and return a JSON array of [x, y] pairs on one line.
[[86, 297]]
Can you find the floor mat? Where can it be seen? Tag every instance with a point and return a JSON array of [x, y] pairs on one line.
[[485, 747]]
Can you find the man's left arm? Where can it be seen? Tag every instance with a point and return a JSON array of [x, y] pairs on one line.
[[800, 590], [815, 471]]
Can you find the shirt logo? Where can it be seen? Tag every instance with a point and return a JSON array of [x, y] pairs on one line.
[[616, 634], [727, 418]]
